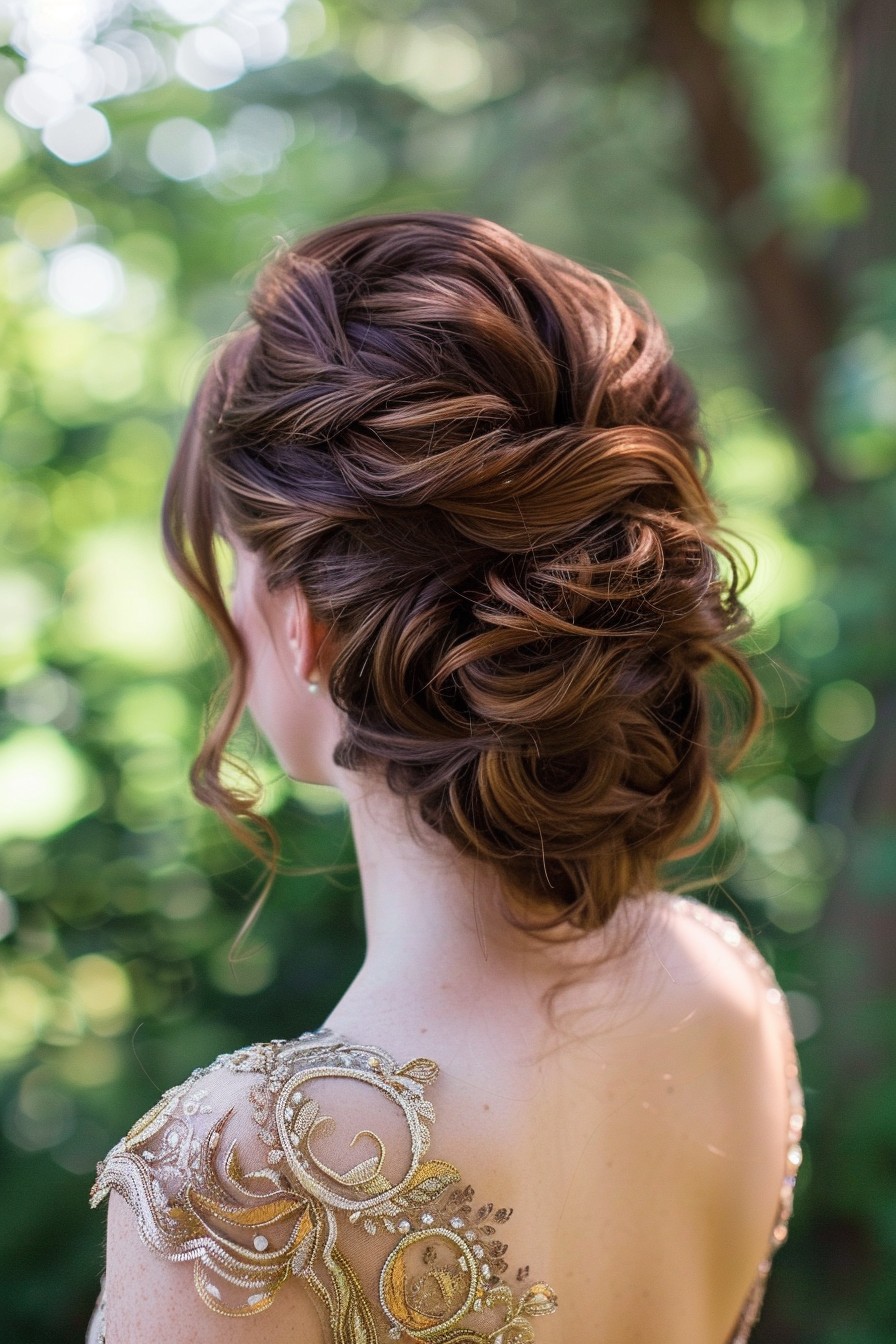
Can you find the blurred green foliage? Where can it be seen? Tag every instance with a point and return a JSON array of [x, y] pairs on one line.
[[134, 217]]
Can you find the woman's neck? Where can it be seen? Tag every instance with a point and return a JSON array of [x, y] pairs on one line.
[[435, 930]]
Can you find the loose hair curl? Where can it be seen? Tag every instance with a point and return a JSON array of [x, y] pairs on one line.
[[480, 463]]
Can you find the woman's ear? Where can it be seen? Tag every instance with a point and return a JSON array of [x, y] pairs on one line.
[[305, 637]]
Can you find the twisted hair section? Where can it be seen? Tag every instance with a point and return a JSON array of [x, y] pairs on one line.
[[483, 467]]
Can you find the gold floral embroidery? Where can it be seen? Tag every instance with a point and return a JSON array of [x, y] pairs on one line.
[[247, 1231]]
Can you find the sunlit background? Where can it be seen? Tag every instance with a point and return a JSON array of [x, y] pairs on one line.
[[732, 159]]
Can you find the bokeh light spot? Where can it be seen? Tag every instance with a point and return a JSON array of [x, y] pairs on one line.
[[84, 279], [306, 22], [844, 710], [769, 23], [773, 824], [45, 784], [784, 574], [192, 11], [757, 466], [113, 370], [440, 63], [25, 1009], [261, 44], [46, 219], [91, 1062], [22, 271], [797, 905], [42, 1114], [181, 149], [102, 991], [47, 697], [125, 603], [38, 97], [82, 499], [209, 58], [79, 137], [25, 603], [150, 710], [812, 629]]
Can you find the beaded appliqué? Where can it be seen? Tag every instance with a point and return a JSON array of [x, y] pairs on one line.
[[248, 1231]]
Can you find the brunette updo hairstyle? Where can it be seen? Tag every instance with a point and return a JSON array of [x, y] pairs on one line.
[[481, 465]]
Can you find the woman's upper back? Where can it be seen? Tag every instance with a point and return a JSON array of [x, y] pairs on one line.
[[632, 1184]]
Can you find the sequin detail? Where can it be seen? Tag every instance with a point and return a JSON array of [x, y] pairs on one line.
[[246, 1232]]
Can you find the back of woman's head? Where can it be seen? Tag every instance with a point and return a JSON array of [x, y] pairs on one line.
[[482, 468]]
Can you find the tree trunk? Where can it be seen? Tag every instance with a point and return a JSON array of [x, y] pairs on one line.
[[795, 314], [868, 132]]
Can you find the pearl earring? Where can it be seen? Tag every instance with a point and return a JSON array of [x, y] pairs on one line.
[[313, 686]]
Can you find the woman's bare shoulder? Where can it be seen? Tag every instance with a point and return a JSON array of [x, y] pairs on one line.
[[713, 989], [737, 1083], [709, 948], [697, 935]]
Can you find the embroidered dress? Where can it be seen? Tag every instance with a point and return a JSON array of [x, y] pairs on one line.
[[249, 1200]]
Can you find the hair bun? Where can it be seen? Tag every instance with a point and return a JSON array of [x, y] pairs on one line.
[[482, 465]]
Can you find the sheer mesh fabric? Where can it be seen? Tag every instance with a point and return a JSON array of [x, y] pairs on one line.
[[256, 1169]]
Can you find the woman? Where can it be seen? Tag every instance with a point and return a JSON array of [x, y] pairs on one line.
[[478, 589]]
